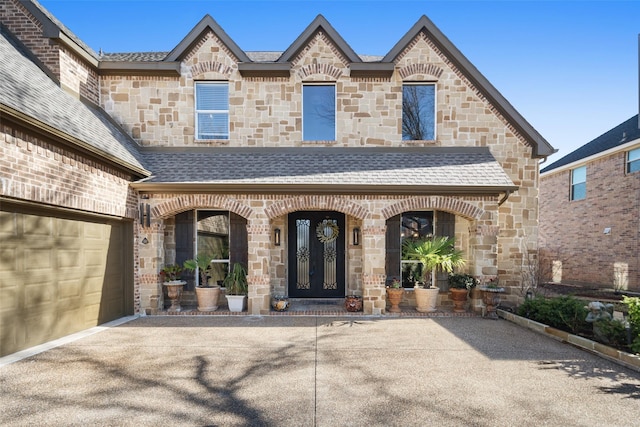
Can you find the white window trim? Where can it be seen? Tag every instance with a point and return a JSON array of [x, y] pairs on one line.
[[335, 108], [195, 107], [573, 183], [628, 162]]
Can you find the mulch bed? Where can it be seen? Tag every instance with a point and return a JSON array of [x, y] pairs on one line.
[[581, 291]]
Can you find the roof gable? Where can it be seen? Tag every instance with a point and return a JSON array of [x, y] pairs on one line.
[[319, 23], [206, 24], [541, 147], [28, 95], [624, 133]]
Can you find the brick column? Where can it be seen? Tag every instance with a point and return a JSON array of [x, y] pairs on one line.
[[258, 239], [373, 266]]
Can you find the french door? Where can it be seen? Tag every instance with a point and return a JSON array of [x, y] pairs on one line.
[[316, 247]]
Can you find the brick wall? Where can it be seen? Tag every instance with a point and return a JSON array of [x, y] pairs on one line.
[[572, 232], [73, 73], [38, 170]]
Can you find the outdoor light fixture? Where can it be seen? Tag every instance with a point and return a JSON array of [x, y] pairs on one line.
[[145, 215], [276, 237], [145, 241], [356, 236]]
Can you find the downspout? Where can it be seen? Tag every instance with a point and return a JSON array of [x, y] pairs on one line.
[[506, 196]]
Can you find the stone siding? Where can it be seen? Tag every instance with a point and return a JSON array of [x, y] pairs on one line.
[[572, 234]]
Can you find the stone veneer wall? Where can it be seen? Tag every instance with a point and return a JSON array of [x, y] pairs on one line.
[[572, 232], [267, 263]]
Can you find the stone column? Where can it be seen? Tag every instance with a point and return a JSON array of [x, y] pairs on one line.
[[150, 258], [373, 266], [259, 243]]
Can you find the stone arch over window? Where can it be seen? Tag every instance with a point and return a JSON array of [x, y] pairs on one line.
[[201, 68], [326, 69], [200, 201], [329, 203], [413, 69], [441, 203]]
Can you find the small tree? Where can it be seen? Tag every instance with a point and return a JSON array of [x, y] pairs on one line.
[[201, 263]]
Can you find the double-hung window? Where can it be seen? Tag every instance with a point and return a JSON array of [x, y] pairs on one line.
[[633, 160], [319, 112], [418, 112], [212, 110], [579, 183]]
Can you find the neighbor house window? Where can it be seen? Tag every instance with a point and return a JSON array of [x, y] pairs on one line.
[[318, 112], [579, 183], [212, 110], [418, 112], [633, 160]]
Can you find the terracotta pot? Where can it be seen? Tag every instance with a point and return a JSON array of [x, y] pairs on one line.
[[491, 298], [426, 299], [459, 298], [354, 302], [394, 296], [207, 298]]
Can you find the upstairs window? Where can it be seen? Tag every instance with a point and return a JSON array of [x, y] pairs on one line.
[[212, 110], [418, 112], [633, 160], [318, 112], [579, 183]]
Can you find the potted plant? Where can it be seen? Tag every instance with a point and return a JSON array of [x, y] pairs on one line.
[[491, 297], [206, 295], [236, 284], [433, 253], [394, 295], [459, 286], [171, 281]]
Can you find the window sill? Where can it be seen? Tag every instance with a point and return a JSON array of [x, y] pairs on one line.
[[216, 142], [424, 142], [329, 142]]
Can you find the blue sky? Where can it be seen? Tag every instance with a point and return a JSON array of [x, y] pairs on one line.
[[569, 67]]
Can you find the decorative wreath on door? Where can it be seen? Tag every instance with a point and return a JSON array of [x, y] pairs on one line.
[[327, 231]]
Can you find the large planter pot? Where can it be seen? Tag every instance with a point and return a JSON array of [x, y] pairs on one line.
[[426, 299], [491, 298], [236, 302], [459, 298], [174, 292], [394, 296], [207, 298]]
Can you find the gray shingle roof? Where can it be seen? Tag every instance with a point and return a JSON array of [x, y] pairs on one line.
[[619, 135], [26, 89], [135, 56], [444, 167]]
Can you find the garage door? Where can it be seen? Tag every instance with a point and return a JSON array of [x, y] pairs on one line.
[[59, 274]]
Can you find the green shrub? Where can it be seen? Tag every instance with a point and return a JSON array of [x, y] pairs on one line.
[[611, 332], [633, 308], [566, 313]]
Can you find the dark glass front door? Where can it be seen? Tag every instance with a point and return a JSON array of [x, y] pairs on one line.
[[316, 254]]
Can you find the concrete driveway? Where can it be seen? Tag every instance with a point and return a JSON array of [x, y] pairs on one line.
[[317, 371]]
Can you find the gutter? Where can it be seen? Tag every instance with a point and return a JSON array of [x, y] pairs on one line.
[[261, 188]]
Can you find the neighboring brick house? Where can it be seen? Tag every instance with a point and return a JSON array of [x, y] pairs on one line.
[[309, 165], [590, 212]]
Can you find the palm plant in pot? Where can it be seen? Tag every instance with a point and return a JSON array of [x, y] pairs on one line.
[[206, 294], [432, 253], [236, 284], [459, 286]]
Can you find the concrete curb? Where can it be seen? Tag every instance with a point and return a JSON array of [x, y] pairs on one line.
[[32, 351], [623, 358]]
